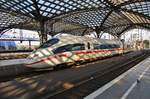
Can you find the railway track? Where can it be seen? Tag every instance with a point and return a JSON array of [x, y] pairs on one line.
[[67, 83], [20, 71], [85, 87]]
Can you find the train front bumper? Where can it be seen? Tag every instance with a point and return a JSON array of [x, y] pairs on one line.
[[39, 63]]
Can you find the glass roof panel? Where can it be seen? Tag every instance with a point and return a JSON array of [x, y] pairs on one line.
[[90, 19], [116, 19], [7, 19], [90, 13], [141, 7], [61, 6], [136, 18], [117, 2]]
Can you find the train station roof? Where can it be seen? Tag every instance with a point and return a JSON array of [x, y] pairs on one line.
[[111, 16]]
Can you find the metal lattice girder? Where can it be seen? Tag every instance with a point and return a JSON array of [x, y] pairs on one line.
[[24, 7], [114, 16], [118, 2], [51, 8], [135, 18], [116, 19], [7, 19], [79, 32], [142, 7], [116, 30], [88, 18], [124, 19], [63, 27]]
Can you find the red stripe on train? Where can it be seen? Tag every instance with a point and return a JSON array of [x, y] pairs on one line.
[[65, 55], [47, 58]]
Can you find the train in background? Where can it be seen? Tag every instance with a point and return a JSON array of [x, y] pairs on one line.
[[72, 49], [7, 46]]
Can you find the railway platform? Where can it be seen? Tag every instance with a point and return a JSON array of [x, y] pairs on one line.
[[12, 62], [57, 84], [10, 55], [133, 84]]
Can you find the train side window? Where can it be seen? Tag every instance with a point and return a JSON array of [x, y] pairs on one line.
[[77, 47], [113, 45], [69, 47], [62, 49], [117, 46], [106, 46], [110, 46], [96, 46], [99, 46], [103, 46], [88, 45]]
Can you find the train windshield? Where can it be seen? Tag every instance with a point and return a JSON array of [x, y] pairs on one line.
[[49, 43]]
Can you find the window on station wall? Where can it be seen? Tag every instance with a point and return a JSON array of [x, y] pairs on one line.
[[69, 47]]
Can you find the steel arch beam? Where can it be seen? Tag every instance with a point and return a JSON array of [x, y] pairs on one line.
[[130, 2], [136, 13]]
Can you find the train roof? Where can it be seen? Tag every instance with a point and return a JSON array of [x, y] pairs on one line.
[[86, 38]]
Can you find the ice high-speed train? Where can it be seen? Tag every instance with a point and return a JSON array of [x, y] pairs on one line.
[[72, 49]]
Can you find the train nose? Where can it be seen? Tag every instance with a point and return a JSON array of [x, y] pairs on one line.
[[35, 59], [29, 62], [41, 53], [34, 63]]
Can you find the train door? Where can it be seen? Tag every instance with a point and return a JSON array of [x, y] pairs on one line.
[[88, 46]]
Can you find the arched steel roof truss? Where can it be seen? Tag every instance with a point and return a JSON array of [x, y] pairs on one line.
[[111, 16]]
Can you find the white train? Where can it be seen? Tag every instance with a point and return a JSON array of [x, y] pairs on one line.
[[72, 49]]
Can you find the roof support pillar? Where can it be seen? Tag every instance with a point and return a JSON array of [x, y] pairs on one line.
[[122, 41], [99, 32], [43, 33], [83, 33], [100, 35]]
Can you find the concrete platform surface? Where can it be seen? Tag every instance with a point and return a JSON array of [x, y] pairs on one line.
[[12, 62], [133, 84]]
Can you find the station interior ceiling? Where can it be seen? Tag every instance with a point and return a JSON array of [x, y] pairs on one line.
[[77, 17]]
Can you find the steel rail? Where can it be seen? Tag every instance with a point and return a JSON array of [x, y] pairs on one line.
[[97, 76]]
